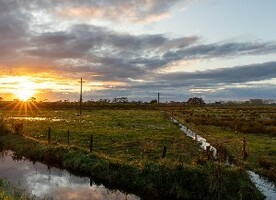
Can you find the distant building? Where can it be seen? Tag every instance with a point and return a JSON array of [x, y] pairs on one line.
[[256, 101]]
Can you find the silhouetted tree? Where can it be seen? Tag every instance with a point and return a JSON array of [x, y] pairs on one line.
[[153, 101], [32, 99], [195, 101], [120, 100]]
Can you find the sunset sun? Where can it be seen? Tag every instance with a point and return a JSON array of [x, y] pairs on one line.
[[25, 90]]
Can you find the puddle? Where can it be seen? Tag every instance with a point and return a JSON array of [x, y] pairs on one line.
[[53, 183], [36, 119]]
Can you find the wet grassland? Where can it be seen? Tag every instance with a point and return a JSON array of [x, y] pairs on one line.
[[140, 151]]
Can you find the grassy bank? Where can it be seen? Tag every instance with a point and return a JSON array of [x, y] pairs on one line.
[[128, 155]]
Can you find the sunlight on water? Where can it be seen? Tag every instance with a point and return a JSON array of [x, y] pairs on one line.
[[36, 119]]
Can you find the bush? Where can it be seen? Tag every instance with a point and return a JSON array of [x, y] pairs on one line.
[[17, 128], [3, 127], [265, 163]]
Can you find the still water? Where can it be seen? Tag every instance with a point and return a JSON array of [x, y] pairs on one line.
[[43, 182]]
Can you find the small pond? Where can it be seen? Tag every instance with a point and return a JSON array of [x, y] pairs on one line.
[[43, 182]]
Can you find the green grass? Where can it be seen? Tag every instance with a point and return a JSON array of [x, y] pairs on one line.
[[122, 135]]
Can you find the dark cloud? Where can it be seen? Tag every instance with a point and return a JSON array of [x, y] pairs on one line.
[[238, 74], [240, 94], [117, 55], [220, 50], [211, 82], [13, 28]]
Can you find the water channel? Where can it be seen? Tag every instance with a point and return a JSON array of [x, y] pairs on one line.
[[53, 183], [266, 187]]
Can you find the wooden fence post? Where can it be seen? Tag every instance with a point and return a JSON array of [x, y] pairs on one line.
[[91, 181], [68, 137], [208, 152], [164, 152], [244, 151], [49, 135], [195, 137], [91, 143]]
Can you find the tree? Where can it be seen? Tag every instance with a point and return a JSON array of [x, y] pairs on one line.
[[195, 101], [154, 101], [120, 100], [32, 99]]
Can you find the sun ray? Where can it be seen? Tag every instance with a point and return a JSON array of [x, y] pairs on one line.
[[29, 106], [20, 109], [25, 108], [16, 106], [34, 105]]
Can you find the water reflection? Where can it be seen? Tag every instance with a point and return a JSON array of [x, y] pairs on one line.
[[36, 119], [42, 182]]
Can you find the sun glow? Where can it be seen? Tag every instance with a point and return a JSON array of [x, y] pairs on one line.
[[25, 90]]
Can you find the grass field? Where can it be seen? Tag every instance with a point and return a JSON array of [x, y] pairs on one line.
[[228, 126], [127, 152], [121, 135]]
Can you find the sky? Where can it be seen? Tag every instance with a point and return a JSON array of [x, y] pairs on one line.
[[219, 50]]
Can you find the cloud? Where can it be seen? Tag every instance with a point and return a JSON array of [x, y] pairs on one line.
[[117, 59], [118, 56], [209, 83], [144, 11], [220, 50], [238, 74], [13, 28]]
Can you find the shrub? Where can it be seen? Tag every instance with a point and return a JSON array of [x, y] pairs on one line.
[[3, 127], [17, 127], [265, 163]]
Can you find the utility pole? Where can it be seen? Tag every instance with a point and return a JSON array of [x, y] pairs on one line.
[[158, 97], [81, 95]]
